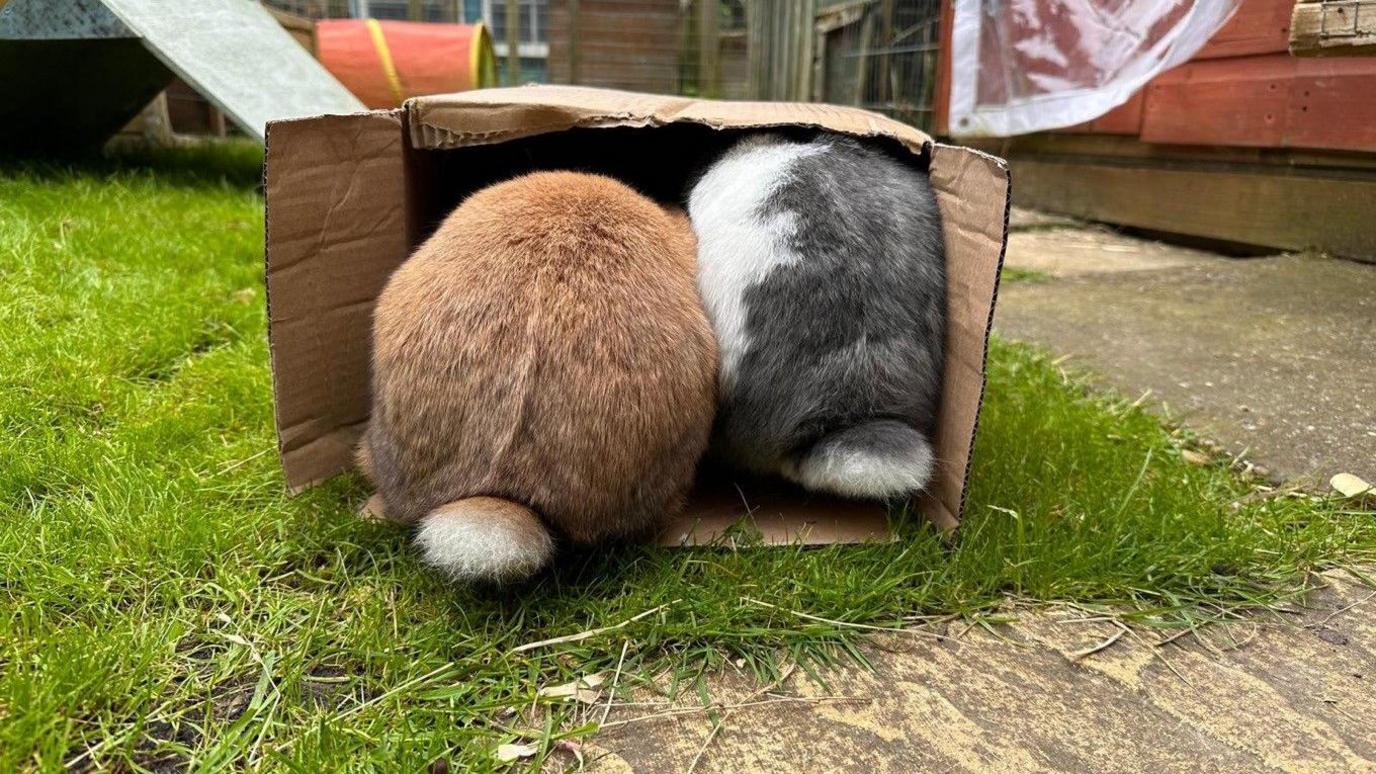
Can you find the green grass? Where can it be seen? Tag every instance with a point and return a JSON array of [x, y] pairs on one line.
[[1027, 276], [165, 604]]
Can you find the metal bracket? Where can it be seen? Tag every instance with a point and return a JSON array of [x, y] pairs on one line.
[[1345, 24]]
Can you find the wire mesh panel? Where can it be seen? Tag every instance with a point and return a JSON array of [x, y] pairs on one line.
[[690, 47], [402, 10], [781, 49], [627, 44], [877, 54], [880, 55], [313, 9]]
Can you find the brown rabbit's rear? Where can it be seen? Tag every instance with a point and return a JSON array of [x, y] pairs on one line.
[[542, 361]]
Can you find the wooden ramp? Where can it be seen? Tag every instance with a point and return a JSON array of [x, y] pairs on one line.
[[90, 65]]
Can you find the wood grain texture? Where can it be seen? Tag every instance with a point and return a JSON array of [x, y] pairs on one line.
[[643, 45], [1258, 27], [1224, 102], [941, 108], [1334, 29], [1118, 149], [1249, 205], [1124, 119], [1267, 101]]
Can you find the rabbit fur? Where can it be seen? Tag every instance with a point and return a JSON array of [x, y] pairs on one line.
[[542, 368], [822, 267]]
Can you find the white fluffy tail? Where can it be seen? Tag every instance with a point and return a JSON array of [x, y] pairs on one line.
[[484, 539], [878, 460]]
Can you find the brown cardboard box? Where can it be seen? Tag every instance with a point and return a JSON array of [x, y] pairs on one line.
[[348, 197]]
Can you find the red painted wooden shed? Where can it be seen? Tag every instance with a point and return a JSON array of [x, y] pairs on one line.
[[1244, 143]]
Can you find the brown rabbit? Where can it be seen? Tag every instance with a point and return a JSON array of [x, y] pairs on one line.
[[542, 363]]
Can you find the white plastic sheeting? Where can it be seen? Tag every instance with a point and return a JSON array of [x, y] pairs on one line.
[[1021, 66]]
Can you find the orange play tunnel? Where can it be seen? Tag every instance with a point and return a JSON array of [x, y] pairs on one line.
[[384, 62]]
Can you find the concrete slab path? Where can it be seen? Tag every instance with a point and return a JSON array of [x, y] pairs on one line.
[[1273, 356], [1058, 691]]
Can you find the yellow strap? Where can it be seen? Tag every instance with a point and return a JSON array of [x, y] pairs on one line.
[[385, 54], [475, 54]]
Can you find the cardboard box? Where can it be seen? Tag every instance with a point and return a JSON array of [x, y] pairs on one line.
[[349, 197]]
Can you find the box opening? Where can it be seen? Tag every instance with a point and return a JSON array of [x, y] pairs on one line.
[[659, 162], [662, 163]]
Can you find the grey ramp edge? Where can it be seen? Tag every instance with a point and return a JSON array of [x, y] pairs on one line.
[[59, 20], [238, 57]]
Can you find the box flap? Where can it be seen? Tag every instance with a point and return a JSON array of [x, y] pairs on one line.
[[496, 115], [972, 190], [335, 190]]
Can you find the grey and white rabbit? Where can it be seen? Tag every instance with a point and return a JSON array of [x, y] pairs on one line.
[[822, 268]]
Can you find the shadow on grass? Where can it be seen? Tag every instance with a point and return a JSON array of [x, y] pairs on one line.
[[236, 163]]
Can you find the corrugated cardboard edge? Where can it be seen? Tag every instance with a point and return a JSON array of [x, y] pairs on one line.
[[488, 116], [936, 510], [989, 325], [350, 166]]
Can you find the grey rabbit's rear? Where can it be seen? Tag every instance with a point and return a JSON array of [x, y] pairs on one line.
[[822, 267]]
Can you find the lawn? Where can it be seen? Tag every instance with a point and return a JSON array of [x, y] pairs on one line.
[[165, 604]]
